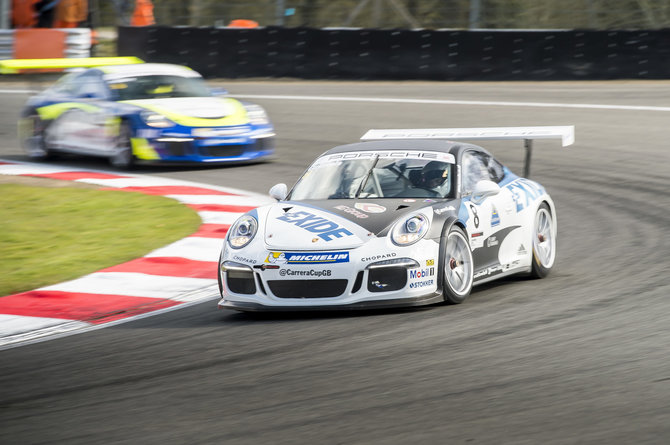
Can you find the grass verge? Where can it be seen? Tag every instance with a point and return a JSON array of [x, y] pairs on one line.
[[53, 234]]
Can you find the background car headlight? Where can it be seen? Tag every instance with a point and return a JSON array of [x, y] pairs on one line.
[[156, 120], [242, 232], [410, 230], [256, 114]]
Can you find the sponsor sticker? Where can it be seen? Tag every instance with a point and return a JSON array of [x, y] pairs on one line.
[[430, 262], [351, 211], [419, 284], [370, 208], [444, 210], [307, 258], [495, 217], [383, 256], [325, 229], [421, 273], [524, 192], [492, 241], [244, 259], [305, 273]]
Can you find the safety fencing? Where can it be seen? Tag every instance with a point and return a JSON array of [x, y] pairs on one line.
[[311, 53]]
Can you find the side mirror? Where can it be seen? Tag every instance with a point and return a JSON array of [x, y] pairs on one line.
[[216, 91], [484, 189], [279, 191]]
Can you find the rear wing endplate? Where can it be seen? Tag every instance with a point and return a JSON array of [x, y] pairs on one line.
[[565, 133]]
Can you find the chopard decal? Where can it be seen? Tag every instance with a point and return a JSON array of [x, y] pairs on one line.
[[379, 257]]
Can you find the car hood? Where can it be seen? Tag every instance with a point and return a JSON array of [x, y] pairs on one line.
[[196, 111], [334, 223]]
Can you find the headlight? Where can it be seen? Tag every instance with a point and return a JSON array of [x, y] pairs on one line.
[[410, 230], [257, 114], [242, 232], [156, 120]]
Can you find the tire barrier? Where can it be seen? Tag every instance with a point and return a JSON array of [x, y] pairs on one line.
[[39, 43], [362, 54]]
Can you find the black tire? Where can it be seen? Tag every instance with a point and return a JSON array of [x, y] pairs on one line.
[[543, 243], [34, 138], [123, 157], [457, 267]]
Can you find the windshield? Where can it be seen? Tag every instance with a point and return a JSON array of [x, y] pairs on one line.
[[377, 175], [158, 86]]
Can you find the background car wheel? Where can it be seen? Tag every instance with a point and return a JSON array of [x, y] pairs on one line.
[[123, 152], [35, 143], [544, 242], [458, 267]]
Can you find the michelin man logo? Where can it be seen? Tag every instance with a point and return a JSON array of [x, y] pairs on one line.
[[276, 258]]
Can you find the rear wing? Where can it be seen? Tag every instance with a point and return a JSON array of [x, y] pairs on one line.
[[15, 66], [565, 133]]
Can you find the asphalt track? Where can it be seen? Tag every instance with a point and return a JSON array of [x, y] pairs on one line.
[[580, 357]]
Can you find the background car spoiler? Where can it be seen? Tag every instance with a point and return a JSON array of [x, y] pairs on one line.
[[527, 134], [14, 66]]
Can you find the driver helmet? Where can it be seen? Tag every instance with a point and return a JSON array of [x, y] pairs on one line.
[[435, 173]]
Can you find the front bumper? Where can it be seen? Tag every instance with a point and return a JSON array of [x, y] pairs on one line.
[[407, 276], [178, 147]]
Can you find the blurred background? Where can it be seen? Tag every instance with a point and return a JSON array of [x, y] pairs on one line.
[[429, 14]]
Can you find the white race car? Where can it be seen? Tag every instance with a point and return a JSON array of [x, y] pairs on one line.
[[408, 217]]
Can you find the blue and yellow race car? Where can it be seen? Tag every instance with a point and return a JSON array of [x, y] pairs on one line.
[[143, 112]]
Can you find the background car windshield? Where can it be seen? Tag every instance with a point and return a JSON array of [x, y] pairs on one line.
[[159, 86], [375, 178]]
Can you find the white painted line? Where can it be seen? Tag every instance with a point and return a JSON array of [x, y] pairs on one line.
[[455, 102], [132, 284], [149, 181], [21, 169], [192, 248], [17, 328], [188, 299], [19, 91]]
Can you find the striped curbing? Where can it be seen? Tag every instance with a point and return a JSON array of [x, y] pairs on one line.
[[174, 276]]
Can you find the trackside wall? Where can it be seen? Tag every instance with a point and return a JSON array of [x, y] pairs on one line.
[[404, 54]]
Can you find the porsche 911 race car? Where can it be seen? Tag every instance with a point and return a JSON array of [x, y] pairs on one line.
[[143, 112], [407, 218]]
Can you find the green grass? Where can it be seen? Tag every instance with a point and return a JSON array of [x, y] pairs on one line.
[[49, 235]]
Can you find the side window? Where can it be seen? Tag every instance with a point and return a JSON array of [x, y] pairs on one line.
[[91, 86], [478, 166], [496, 172], [473, 170]]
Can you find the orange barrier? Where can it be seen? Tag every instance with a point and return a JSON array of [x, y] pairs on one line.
[[143, 14], [243, 23], [39, 43]]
